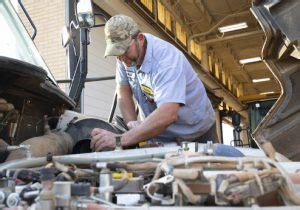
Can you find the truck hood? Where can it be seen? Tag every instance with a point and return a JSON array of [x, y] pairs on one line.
[[18, 77], [280, 129]]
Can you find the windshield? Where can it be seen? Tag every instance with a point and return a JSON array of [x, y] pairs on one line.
[[15, 42]]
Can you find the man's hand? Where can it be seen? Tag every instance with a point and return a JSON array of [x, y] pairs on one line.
[[153, 125], [102, 139], [133, 124]]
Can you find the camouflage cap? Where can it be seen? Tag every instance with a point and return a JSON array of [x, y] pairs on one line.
[[118, 30]]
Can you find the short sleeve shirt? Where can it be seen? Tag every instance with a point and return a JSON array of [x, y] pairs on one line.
[[166, 76]]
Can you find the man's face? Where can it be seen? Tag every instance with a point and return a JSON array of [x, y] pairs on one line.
[[130, 57]]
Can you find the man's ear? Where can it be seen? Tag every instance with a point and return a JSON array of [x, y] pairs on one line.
[[140, 36]]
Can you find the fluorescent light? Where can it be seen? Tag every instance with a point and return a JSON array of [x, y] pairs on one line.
[[250, 60], [233, 27], [267, 93], [261, 80]]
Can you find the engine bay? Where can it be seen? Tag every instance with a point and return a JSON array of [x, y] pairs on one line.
[[47, 164], [188, 176]]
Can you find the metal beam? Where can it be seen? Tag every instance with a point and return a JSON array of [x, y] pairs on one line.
[[236, 59], [258, 97], [199, 4], [176, 14], [195, 22], [241, 88], [176, 3], [235, 36], [266, 70]]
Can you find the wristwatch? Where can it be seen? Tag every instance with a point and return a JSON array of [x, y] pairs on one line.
[[118, 142]]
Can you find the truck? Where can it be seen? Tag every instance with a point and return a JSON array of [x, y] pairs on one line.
[[47, 164]]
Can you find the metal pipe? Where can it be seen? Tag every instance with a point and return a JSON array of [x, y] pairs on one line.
[[81, 72], [24, 163], [113, 108], [214, 27], [29, 19], [123, 155], [93, 79], [105, 182], [72, 49], [236, 36], [131, 155]]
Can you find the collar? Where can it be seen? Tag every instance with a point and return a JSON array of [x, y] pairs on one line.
[[146, 64]]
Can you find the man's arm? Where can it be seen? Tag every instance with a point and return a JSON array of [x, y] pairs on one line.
[[155, 124], [126, 103]]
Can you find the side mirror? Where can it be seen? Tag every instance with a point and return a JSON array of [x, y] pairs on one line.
[[65, 36], [85, 14]]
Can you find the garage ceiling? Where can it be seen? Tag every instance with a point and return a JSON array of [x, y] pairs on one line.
[[201, 20], [230, 51]]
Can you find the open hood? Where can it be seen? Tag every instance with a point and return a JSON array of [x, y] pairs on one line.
[[280, 129]]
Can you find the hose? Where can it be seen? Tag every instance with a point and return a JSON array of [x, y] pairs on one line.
[[268, 164], [141, 166], [190, 174], [190, 196]]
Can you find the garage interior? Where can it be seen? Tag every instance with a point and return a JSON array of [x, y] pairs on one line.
[[50, 153]]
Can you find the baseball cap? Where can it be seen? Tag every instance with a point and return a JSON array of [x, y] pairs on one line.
[[118, 30]]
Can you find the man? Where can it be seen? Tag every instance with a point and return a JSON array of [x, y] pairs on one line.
[[171, 98]]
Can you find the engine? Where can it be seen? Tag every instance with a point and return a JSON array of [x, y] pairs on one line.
[[148, 178]]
